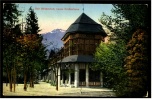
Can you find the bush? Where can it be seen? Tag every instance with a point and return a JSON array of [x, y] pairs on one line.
[[53, 83]]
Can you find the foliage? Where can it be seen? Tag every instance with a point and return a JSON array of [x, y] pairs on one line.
[[137, 65], [126, 19], [52, 52], [137, 14], [10, 27], [31, 23], [10, 15], [118, 26], [109, 59], [53, 83], [23, 54], [33, 48]]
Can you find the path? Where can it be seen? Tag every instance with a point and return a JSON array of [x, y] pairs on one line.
[[45, 89]]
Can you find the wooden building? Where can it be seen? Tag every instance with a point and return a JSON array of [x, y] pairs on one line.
[[73, 62]]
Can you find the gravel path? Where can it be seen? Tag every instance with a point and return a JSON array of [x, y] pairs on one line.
[[45, 89]]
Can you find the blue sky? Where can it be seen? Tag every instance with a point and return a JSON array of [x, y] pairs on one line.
[[53, 18]]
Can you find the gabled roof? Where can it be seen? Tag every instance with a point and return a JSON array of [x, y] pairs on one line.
[[84, 24]]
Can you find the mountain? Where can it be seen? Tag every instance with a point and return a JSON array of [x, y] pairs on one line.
[[53, 39]]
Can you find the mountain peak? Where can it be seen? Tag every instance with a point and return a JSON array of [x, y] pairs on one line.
[[57, 30], [53, 39]]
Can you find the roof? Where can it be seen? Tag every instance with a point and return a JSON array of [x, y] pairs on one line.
[[84, 24], [77, 58]]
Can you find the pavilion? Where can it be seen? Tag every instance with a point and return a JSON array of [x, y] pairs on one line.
[[72, 64]]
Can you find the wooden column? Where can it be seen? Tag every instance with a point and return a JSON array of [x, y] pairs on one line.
[[87, 75], [101, 79], [62, 77], [59, 78], [69, 78], [76, 76]]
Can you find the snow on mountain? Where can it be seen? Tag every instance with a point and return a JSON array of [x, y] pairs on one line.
[[53, 39]]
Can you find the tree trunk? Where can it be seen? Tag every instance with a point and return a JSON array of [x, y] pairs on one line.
[[11, 81], [14, 78], [30, 81], [7, 79], [32, 84], [17, 79], [33, 81], [8, 76], [6, 84], [57, 80], [25, 82], [10, 86], [14, 86]]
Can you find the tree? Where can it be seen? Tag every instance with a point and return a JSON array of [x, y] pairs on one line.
[[33, 48], [118, 27], [137, 14], [52, 52], [31, 23], [10, 15], [11, 30], [129, 18], [110, 60], [137, 64], [139, 26], [30, 44], [49, 60]]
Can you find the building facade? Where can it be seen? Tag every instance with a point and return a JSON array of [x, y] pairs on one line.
[[72, 64]]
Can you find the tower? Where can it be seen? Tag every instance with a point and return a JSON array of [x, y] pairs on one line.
[[82, 37]]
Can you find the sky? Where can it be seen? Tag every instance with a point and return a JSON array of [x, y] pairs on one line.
[[61, 15]]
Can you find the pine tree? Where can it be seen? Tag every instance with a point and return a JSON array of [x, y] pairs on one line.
[[137, 65], [11, 30], [127, 18], [10, 15], [34, 50], [31, 23]]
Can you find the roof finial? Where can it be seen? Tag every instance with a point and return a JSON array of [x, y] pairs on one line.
[[83, 8]]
